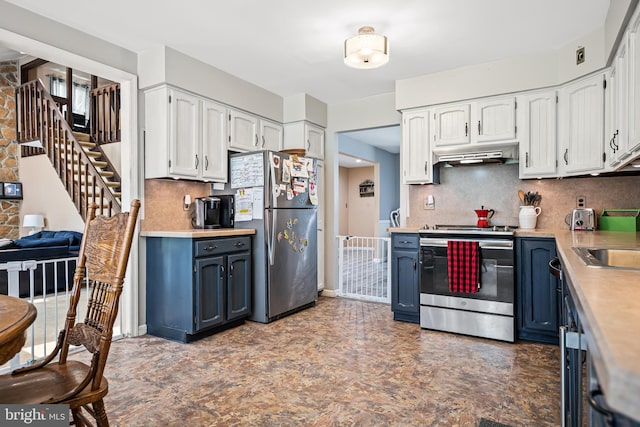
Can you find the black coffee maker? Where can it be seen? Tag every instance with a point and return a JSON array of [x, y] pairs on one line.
[[212, 212]]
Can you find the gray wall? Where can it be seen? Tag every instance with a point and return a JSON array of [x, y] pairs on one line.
[[389, 171]]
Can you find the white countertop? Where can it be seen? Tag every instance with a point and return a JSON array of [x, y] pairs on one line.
[[196, 234]]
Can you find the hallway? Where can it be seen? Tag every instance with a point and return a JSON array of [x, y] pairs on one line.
[[342, 362]]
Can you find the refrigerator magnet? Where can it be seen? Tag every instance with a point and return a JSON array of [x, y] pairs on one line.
[[286, 170], [275, 161]]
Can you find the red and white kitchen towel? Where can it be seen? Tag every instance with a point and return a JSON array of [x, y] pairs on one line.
[[463, 265]]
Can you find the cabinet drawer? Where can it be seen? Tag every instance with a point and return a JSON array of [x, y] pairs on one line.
[[409, 241], [208, 247]]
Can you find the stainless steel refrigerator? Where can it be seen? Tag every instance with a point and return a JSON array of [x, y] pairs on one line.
[[277, 195]]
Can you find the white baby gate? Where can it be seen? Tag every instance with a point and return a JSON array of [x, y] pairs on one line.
[[52, 303], [364, 269]]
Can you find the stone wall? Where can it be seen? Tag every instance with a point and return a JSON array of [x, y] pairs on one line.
[[9, 165]]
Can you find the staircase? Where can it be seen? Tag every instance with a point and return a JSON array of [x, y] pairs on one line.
[[83, 168]]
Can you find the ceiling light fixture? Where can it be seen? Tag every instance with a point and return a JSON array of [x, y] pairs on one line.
[[366, 50]]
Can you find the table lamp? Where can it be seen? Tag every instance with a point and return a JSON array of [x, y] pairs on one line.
[[33, 221]]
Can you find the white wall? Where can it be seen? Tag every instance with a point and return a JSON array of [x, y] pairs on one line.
[[365, 113], [44, 194], [506, 76], [166, 65]]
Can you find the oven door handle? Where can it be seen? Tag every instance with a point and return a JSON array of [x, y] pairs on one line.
[[484, 244]]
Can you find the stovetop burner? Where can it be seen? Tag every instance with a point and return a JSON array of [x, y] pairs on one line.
[[504, 230]]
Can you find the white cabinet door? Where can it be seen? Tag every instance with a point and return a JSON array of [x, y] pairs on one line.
[[451, 125], [634, 81], [620, 94], [270, 136], [214, 141], [184, 139], [416, 155], [537, 118], [582, 125], [243, 131], [494, 120], [314, 137]]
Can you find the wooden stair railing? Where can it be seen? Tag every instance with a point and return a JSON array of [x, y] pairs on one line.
[[105, 114], [38, 118]]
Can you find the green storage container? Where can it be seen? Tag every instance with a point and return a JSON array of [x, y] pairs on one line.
[[620, 220]]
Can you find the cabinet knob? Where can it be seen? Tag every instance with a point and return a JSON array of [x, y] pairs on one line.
[[466, 129], [210, 248], [256, 144], [239, 244], [479, 132], [197, 161], [262, 140], [426, 165], [206, 162], [308, 144], [566, 156], [526, 159]]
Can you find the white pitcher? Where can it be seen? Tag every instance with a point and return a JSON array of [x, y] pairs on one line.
[[529, 216]]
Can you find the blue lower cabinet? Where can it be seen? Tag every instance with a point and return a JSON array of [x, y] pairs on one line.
[[538, 314], [405, 277], [196, 287]]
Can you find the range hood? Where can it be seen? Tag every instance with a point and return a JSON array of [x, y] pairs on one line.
[[463, 156]]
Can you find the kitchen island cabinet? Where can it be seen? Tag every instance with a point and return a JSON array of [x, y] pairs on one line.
[[197, 286], [537, 291], [405, 277]]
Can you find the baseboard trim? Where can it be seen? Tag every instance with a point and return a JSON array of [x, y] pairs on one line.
[[142, 330], [329, 293]]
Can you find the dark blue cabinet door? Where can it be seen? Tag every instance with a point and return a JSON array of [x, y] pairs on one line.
[[238, 285], [538, 316], [210, 282]]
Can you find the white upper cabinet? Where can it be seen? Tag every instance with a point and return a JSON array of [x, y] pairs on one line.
[[214, 141], [581, 113], [185, 136], [633, 62], [537, 118], [305, 136], [451, 125], [184, 140], [494, 120], [490, 120], [417, 162], [243, 131], [271, 136]]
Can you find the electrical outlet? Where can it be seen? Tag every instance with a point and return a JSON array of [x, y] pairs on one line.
[[581, 202], [429, 202], [580, 55]]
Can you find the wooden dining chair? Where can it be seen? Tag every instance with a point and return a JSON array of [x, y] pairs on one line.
[[103, 257]]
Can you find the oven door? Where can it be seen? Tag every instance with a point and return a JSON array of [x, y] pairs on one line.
[[496, 270]]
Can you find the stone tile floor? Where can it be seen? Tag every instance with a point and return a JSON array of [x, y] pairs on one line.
[[340, 363]]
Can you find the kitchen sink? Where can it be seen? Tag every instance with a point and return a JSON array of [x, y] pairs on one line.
[[610, 257]]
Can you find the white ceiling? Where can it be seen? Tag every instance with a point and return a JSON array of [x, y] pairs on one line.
[[294, 46]]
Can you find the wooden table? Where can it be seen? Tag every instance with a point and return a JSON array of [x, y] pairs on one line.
[[15, 317]]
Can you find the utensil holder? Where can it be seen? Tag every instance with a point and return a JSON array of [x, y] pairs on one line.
[[528, 216]]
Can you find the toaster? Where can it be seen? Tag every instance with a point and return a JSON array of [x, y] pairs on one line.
[[583, 219]]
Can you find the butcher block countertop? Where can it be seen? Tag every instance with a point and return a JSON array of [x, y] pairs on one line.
[[608, 302], [196, 234]]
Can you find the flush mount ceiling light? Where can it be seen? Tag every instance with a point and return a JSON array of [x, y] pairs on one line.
[[366, 50]]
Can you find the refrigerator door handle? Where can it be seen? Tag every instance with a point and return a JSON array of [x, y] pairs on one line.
[[271, 231]]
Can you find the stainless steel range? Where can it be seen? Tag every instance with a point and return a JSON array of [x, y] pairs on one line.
[[487, 313]]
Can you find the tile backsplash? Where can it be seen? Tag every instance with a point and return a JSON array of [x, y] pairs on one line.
[[163, 200], [464, 189]]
